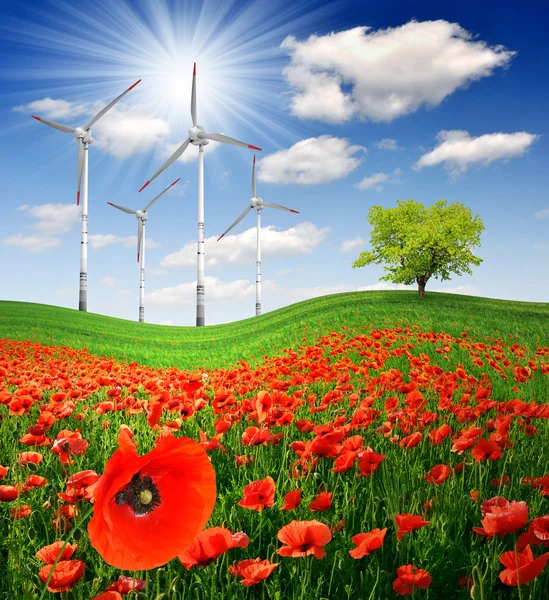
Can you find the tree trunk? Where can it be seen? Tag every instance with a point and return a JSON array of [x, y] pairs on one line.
[[421, 281]]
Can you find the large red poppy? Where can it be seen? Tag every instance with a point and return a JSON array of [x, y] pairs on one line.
[[148, 509], [367, 542], [259, 494], [502, 517], [253, 570], [209, 544], [409, 578], [407, 522], [303, 538], [521, 566]]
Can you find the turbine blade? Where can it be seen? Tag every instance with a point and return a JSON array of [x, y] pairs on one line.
[[170, 160], [79, 169], [161, 194], [253, 179], [129, 211], [109, 106], [273, 205], [139, 237], [236, 222], [58, 126], [217, 137], [193, 98]]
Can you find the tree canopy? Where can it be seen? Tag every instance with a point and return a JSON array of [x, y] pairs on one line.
[[416, 242]]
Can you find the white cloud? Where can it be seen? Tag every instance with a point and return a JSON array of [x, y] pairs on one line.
[[391, 72], [108, 282], [388, 144], [313, 292], [311, 161], [468, 290], [350, 245], [216, 291], [54, 109], [241, 248], [378, 180], [543, 214], [102, 240], [541, 246], [32, 243], [458, 150], [53, 218]]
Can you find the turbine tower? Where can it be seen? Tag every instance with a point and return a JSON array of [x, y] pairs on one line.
[[142, 217], [198, 137], [257, 203], [83, 137]]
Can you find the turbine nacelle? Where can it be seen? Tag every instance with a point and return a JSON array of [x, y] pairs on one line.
[[256, 202], [141, 215], [84, 134], [196, 134]]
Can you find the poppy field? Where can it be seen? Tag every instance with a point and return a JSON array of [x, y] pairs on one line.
[[363, 460]]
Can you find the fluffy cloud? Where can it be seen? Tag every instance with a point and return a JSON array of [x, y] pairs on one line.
[[102, 240], [458, 150], [53, 218], [108, 282], [388, 144], [468, 290], [350, 245], [543, 214], [217, 291], [391, 72], [299, 240], [311, 161], [32, 243], [377, 181], [54, 109]]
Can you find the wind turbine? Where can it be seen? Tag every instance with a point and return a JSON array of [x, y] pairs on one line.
[[142, 217], [83, 138], [198, 137], [257, 203]]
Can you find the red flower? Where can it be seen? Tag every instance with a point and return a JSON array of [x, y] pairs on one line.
[[49, 554], [30, 457], [367, 542], [259, 494], [253, 571], [8, 493], [411, 440], [65, 574], [207, 546], [486, 449], [125, 585], [20, 512], [438, 474], [303, 538], [409, 578], [322, 502], [407, 522], [368, 462], [521, 566], [138, 521], [502, 517], [3, 472], [292, 500], [108, 596]]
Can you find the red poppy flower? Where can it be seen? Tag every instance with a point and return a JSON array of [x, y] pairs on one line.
[[502, 517], [438, 474], [259, 494], [303, 538], [125, 585], [409, 578], [30, 457], [252, 571], [3, 472], [437, 436], [49, 554], [108, 596], [139, 499], [65, 574], [207, 546], [486, 449], [411, 440], [368, 462], [8, 493], [367, 542], [20, 512], [292, 500], [407, 522], [33, 481], [322, 502], [521, 566]]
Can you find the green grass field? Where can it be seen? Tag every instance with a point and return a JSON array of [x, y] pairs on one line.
[[366, 344], [223, 345]]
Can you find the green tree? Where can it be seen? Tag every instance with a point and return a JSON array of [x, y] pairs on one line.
[[417, 242]]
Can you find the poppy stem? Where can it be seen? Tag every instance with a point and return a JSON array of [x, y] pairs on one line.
[[73, 531]]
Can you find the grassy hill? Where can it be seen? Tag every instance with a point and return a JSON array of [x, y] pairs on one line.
[[250, 339]]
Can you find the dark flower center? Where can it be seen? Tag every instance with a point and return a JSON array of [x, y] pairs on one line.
[[305, 547], [141, 494]]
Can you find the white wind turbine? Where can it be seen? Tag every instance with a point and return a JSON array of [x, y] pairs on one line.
[[198, 137], [83, 138], [257, 203], [142, 217]]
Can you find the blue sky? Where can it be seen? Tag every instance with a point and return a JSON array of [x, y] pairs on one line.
[[354, 104]]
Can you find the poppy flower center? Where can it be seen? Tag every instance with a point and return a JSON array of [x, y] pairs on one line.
[[305, 547], [141, 494]]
